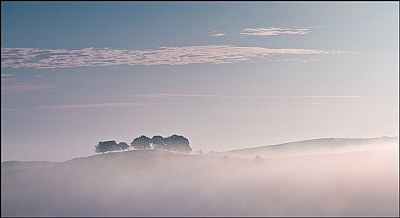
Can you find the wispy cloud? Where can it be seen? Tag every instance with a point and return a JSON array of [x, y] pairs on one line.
[[218, 34], [80, 106], [322, 100], [296, 59], [184, 95], [26, 87], [4, 75], [11, 84], [254, 96], [352, 105], [275, 31], [328, 104], [5, 78], [210, 54]]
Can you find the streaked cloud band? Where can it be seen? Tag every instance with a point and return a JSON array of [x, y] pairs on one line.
[[87, 57]]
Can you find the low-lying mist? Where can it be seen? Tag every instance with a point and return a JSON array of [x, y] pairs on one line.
[[157, 183]]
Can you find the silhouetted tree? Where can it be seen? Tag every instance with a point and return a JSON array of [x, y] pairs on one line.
[[177, 143], [114, 146], [157, 142], [106, 146], [100, 148], [142, 142], [123, 145]]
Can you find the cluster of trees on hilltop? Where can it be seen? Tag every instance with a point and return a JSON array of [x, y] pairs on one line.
[[175, 143], [110, 146]]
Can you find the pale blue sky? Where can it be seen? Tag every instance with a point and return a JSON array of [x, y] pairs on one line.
[[225, 75]]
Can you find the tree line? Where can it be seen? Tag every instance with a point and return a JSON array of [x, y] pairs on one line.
[[175, 143]]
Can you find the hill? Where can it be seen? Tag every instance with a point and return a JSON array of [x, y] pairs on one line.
[[315, 146], [159, 183]]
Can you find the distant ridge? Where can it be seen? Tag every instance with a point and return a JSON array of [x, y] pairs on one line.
[[304, 147], [314, 146]]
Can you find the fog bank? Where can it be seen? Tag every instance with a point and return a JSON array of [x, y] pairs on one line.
[[156, 183]]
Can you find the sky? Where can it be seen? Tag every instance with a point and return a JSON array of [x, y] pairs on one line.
[[226, 75]]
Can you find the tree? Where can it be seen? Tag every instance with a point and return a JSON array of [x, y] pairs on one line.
[[157, 142], [114, 146], [122, 146], [142, 142], [106, 146], [100, 148], [177, 143]]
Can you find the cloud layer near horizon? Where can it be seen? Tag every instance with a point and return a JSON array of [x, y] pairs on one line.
[[86, 57]]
